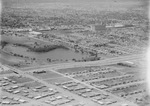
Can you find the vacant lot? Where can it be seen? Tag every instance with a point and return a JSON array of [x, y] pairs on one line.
[[32, 84], [58, 80], [20, 79]]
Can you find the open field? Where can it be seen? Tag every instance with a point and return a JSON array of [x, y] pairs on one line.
[[20, 79], [57, 80]]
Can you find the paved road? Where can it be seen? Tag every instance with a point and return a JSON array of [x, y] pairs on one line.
[[90, 63]]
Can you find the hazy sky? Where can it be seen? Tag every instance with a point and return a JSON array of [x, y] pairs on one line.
[[77, 3], [68, 1]]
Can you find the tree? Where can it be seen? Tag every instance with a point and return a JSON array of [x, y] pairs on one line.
[[74, 59]]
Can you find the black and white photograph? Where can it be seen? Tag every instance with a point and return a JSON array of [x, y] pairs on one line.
[[74, 53]]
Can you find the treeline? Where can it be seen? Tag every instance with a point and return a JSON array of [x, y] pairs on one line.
[[47, 48], [44, 48], [36, 48]]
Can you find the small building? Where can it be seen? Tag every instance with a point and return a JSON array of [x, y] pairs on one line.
[[16, 99], [5, 84], [98, 27], [37, 97], [59, 97], [5, 78], [65, 87], [126, 63], [50, 89], [5, 102], [100, 102], [103, 86], [4, 97], [22, 101], [17, 91], [35, 33], [117, 25], [14, 87]]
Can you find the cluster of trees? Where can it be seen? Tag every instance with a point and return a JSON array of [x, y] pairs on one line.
[[103, 45], [22, 56], [41, 48], [46, 48], [3, 44], [87, 59], [39, 72], [78, 60], [11, 20], [125, 64]]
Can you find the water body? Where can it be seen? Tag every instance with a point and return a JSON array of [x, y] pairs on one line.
[[58, 54]]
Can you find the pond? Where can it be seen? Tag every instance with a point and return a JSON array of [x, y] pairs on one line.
[[56, 55]]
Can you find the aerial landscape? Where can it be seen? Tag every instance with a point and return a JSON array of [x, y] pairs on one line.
[[74, 53]]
